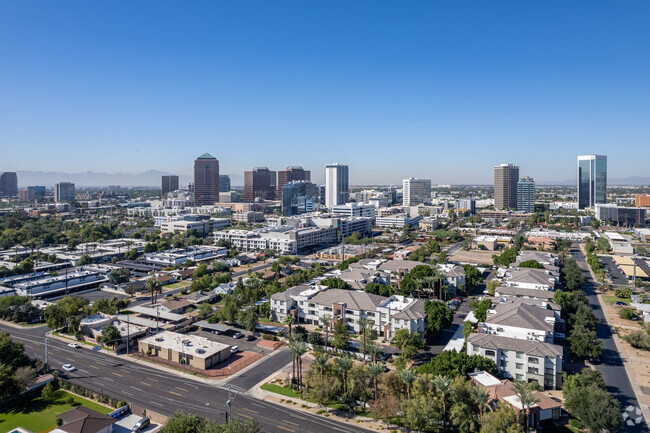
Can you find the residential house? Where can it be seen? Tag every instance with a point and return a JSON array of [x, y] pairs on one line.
[[529, 278], [522, 321], [84, 420]]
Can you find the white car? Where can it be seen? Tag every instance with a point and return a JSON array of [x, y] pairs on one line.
[[69, 367], [74, 345], [234, 349]]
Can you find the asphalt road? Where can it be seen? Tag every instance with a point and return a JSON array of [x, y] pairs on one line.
[[611, 365], [165, 392], [255, 375]]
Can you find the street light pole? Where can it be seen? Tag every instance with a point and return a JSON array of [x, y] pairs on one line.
[[47, 359], [229, 404]]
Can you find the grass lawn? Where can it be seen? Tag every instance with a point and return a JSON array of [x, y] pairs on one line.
[[563, 429], [178, 285], [38, 416], [280, 390], [612, 299]]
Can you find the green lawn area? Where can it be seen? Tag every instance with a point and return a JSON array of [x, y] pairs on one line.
[[39, 416], [612, 299], [178, 285], [280, 390]]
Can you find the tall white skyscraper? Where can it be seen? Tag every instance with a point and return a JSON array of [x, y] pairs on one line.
[[416, 191], [592, 180], [526, 194], [337, 187]]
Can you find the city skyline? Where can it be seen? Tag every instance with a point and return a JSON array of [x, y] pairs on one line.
[[113, 90]]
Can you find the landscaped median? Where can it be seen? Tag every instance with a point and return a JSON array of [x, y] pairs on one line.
[[39, 415]]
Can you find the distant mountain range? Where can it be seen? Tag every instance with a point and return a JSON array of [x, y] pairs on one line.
[[153, 178], [93, 179]]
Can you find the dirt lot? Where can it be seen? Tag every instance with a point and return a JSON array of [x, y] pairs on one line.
[[481, 257]]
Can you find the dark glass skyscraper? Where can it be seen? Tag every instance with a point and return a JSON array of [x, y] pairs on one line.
[[169, 184], [206, 180], [592, 180], [224, 183], [8, 183], [291, 174], [259, 183]]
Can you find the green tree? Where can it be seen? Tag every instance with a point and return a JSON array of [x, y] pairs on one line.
[[442, 386], [603, 244], [12, 354], [205, 309], [408, 342], [480, 309], [584, 342], [343, 365], [473, 277], [527, 399], [47, 394], [502, 420], [438, 316], [111, 336], [534, 264], [341, 336], [492, 286], [453, 364], [595, 408], [84, 260], [375, 371]]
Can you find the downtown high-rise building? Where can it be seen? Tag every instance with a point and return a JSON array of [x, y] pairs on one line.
[[592, 180], [291, 174], [506, 177], [224, 183], [169, 184], [416, 191], [337, 187], [8, 184], [259, 183], [299, 197], [526, 194], [206, 180], [64, 191]]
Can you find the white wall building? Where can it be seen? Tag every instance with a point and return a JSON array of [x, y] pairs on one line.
[[354, 210], [337, 188], [416, 191]]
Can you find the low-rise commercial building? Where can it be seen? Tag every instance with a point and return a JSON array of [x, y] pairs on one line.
[[621, 216], [179, 256], [397, 221], [192, 350], [248, 217], [70, 282]]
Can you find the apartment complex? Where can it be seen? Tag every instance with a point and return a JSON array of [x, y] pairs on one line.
[[526, 195], [337, 188], [416, 191], [63, 191], [592, 180], [506, 177], [206, 180], [354, 210], [259, 183]]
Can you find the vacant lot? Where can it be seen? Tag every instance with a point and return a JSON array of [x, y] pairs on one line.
[[39, 416], [481, 257]]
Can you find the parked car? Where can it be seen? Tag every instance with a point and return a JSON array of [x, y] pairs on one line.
[[621, 303], [69, 367], [141, 425], [74, 345], [234, 349], [250, 337], [386, 356], [238, 335], [459, 300]]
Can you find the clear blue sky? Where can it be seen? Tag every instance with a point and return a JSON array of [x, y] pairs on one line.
[[440, 90]]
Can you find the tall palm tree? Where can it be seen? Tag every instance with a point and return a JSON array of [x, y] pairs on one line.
[[320, 359], [365, 326], [289, 320], [154, 287], [482, 399], [526, 398], [298, 349], [408, 378], [344, 364], [374, 371], [325, 322], [442, 384], [375, 351]]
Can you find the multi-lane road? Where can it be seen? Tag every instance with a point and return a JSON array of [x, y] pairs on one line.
[[165, 392], [611, 365]]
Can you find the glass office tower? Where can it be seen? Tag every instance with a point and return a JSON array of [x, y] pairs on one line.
[[592, 180]]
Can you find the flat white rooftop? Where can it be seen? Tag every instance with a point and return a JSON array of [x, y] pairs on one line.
[[484, 378], [193, 345]]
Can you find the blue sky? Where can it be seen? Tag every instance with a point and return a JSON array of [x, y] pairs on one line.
[[440, 90]]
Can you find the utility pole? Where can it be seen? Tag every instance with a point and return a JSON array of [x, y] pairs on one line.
[[128, 336], [47, 359], [229, 404]]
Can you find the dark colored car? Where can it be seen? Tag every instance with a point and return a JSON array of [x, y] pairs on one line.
[[141, 425], [238, 335], [250, 337]]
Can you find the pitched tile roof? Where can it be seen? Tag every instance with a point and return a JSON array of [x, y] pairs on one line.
[[354, 300], [520, 316], [529, 347], [518, 291], [84, 420]]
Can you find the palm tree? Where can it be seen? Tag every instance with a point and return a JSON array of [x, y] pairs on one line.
[[408, 378], [442, 384], [298, 349], [325, 321], [482, 399], [289, 320], [526, 398], [344, 364], [375, 351], [374, 371], [365, 325], [154, 287], [320, 359]]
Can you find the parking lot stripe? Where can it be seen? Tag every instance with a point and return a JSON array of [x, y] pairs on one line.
[[250, 410], [117, 374], [145, 383], [244, 415], [92, 366], [297, 425], [287, 429], [175, 393], [70, 359], [153, 380], [182, 389]]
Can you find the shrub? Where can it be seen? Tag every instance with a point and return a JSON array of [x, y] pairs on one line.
[[69, 400], [575, 423], [623, 292], [269, 337], [627, 314]]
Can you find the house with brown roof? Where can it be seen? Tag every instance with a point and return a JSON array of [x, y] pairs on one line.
[[166, 279], [84, 420], [177, 306], [523, 321], [501, 391], [541, 242]]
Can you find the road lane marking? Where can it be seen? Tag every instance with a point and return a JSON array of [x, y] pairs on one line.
[[70, 359], [92, 366], [117, 374], [175, 393], [100, 362], [244, 415], [250, 410], [153, 380], [258, 405], [109, 379], [157, 404], [145, 383], [136, 388], [293, 423], [182, 389], [287, 429]]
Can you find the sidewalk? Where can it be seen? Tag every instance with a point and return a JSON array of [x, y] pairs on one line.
[[637, 372]]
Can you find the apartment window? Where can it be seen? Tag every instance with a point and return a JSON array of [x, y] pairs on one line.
[[519, 377], [489, 353], [519, 366], [548, 371], [533, 370], [502, 364], [370, 314], [533, 361], [520, 355], [475, 348]]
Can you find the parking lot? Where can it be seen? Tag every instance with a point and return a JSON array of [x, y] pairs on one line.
[[615, 273], [125, 424], [226, 338]]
